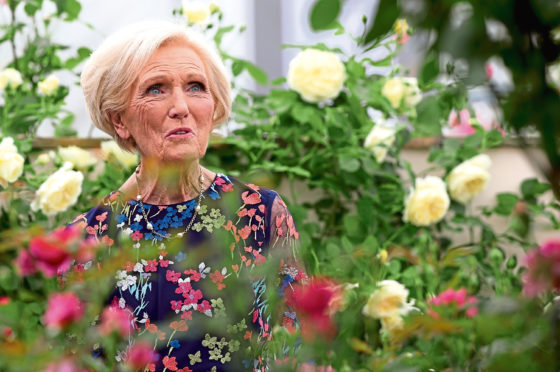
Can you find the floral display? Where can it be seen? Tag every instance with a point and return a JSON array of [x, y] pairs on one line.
[[469, 178], [427, 202], [59, 191], [316, 75], [11, 162]]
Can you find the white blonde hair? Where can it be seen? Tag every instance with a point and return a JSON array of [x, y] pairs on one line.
[[112, 69]]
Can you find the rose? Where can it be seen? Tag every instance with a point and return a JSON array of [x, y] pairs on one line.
[[458, 298], [80, 158], [379, 139], [63, 309], [402, 92], [427, 203], [111, 150], [10, 77], [59, 191], [140, 355], [11, 163], [543, 269], [25, 263], [469, 178], [115, 319], [43, 159], [196, 11], [65, 365], [49, 85], [392, 324], [51, 252], [388, 300], [316, 75]]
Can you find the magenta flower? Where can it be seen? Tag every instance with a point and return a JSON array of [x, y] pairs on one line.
[[63, 309], [65, 365], [543, 269], [140, 355], [115, 319], [51, 251], [451, 297], [25, 263]]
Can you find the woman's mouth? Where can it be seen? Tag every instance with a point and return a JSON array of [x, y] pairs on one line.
[[180, 133]]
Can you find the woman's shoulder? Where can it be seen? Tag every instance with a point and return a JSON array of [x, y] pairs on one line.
[[99, 213]]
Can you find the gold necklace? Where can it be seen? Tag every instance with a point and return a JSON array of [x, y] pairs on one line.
[[149, 225]]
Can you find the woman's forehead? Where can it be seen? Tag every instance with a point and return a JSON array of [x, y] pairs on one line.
[[175, 56]]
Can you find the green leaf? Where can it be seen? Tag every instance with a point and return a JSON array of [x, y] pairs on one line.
[[430, 70], [324, 14], [387, 13], [532, 187], [352, 225], [221, 32], [428, 119], [257, 73], [349, 164], [506, 202]]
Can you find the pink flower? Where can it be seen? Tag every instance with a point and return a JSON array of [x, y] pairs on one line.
[[459, 126], [63, 309], [456, 298], [489, 69], [4, 300], [25, 264], [543, 269], [65, 365], [51, 251], [115, 319], [140, 355]]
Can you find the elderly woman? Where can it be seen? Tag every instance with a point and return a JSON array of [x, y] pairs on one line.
[[159, 90]]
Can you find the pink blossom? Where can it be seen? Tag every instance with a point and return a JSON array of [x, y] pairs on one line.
[[51, 251], [65, 365], [115, 319], [63, 309], [4, 300], [543, 269], [459, 126], [489, 69], [25, 263], [451, 297], [140, 355]]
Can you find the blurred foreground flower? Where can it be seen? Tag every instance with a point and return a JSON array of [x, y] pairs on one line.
[[543, 269], [11, 162], [140, 355], [63, 309], [468, 179], [10, 77], [456, 298], [316, 75], [49, 85], [427, 202], [115, 319], [461, 125], [59, 191], [197, 12], [402, 92], [315, 303], [80, 158], [379, 139], [401, 31], [111, 150], [66, 365]]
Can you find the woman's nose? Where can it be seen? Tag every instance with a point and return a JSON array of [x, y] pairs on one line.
[[179, 108]]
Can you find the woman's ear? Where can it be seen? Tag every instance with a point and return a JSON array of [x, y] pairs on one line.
[[119, 126]]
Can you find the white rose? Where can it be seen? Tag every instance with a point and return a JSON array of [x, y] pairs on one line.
[[59, 191], [469, 178], [196, 11], [388, 300], [379, 139], [11, 163], [111, 150], [80, 158], [427, 203], [11, 77], [49, 85], [316, 75], [43, 159], [402, 92]]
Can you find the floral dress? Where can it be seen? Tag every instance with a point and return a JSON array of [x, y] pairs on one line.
[[199, 298]]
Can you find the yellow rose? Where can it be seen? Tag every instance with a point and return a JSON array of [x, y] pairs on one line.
[[49, 85], [379, 139], [469, 178], [316, 75], [427, 203], [59, 191], [213, 7], [80, 158], [388, 300], [111, 150], [11, 163], [11, 77], [402, 92], [196, 11], [43, 159]]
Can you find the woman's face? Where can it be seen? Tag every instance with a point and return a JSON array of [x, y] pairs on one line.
[[170, 113]]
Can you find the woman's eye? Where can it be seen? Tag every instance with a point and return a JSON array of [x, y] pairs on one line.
[[154, 89], [196, 87]]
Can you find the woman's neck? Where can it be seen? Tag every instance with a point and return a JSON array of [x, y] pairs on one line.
[[170, 183]]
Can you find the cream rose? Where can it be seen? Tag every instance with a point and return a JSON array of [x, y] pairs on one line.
[[49, 85], [388, 300], [11, 77], [379, 139], [59, 191], [111, 150], [402, 92], [43, 159], [196, 11], [11, 162], [80, 158], [316, 75], [427, 203], [469, 178], [392, 324]]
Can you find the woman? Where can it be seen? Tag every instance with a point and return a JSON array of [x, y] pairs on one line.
[[159, 90]]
